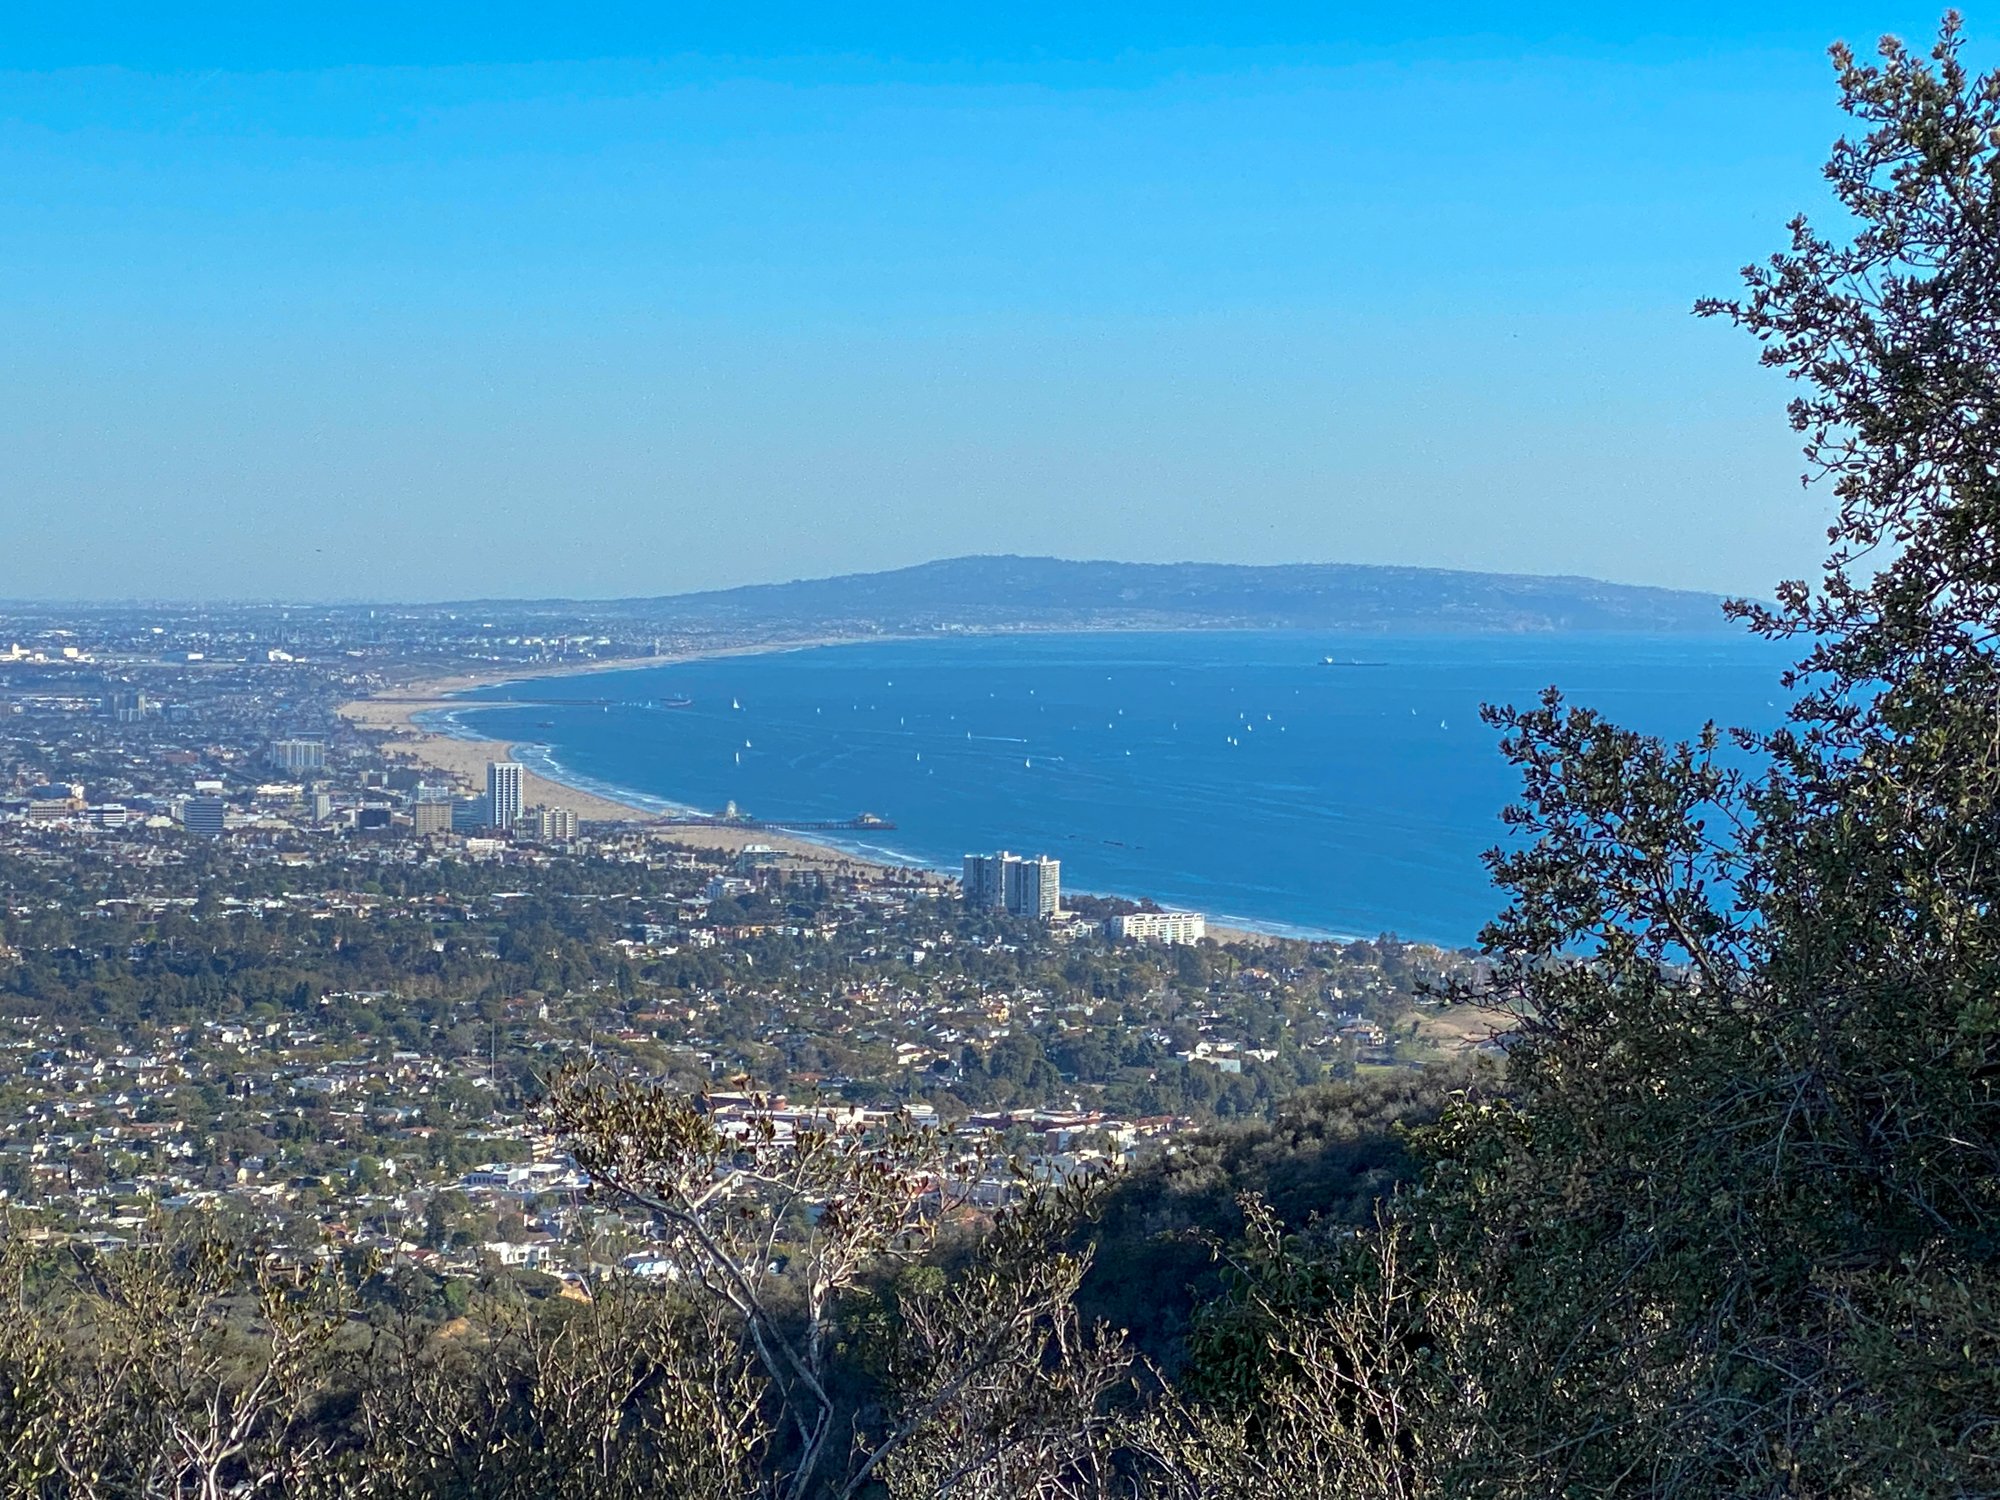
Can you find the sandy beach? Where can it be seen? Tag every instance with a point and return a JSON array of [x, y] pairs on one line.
[[393, 714]]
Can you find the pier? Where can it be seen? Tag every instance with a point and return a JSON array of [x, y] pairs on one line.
[[860, 823]]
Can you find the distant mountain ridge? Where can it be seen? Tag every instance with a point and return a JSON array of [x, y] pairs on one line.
[[1008, 592]]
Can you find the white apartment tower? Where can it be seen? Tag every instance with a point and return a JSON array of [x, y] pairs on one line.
[[984, 880], [503, 792], [1034, 887], [1007, 882]]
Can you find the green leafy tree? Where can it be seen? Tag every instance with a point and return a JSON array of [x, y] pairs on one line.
[[1734, 1228]]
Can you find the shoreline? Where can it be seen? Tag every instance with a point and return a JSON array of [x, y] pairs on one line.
[[399, 711]]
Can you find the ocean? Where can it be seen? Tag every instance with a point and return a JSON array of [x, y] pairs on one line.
[[1295, 782]]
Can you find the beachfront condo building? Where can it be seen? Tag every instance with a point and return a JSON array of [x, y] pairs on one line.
[[1007, 882], [1159, 927], [982, 882], [503, 792], [1034, 887]]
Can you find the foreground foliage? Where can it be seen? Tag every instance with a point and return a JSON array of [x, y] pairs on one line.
[[833, 1320], [1733, 1229]]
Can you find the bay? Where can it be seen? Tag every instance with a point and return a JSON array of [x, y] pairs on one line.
[[1238, 773]]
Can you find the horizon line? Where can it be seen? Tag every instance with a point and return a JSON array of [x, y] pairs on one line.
[[472, 601]]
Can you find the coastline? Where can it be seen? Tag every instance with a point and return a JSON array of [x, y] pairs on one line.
[[399, 713]]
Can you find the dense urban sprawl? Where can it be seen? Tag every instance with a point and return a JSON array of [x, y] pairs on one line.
[[241, 971]]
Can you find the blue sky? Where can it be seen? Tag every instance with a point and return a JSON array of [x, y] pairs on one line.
[[498, 301]]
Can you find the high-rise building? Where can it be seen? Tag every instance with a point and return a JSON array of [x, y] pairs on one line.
[[1034, 887], [471, 815], [431, 817], [298, 755], [1007, 882], [503, 792], [984, 882], [203, 815], [557, 824]]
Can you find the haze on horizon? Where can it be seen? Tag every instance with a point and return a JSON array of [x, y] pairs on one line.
[[494, 302]]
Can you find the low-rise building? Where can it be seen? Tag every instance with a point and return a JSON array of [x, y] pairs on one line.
[[1159, 927]]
